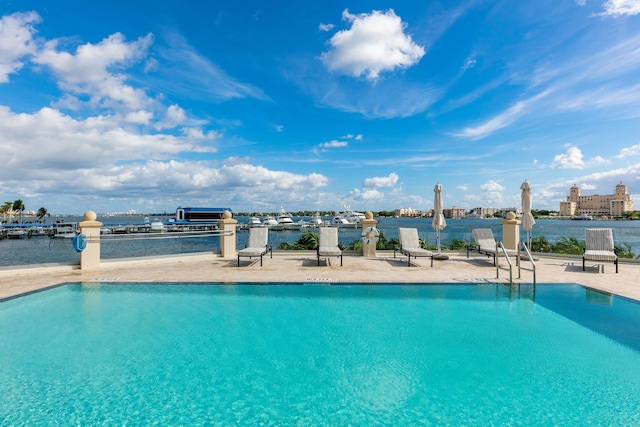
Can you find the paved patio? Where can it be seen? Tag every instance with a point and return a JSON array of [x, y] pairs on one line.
[[287, 266]]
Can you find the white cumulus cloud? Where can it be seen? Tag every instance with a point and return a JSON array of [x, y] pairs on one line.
[[16, 34], [618, 8], [493, 191], [91, 69], [367, 194], [628, 152], [375, 43], [381, 181], [572, 159]]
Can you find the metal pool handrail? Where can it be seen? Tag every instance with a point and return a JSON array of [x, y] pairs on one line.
[[526, 249], [504, 251]]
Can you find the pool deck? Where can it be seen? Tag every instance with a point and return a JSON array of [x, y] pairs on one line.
[[301, 266]]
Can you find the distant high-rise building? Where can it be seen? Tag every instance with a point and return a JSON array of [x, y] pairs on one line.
[[597, 204]]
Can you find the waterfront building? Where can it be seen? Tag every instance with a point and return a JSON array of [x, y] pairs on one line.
[[608, 204], [454, 212], [190, 215], [505, 211], [401, 212], [485, 212]]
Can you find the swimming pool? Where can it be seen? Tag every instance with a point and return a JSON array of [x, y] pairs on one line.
[[176, 354]]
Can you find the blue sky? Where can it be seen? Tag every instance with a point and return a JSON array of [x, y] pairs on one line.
[[253, 105]]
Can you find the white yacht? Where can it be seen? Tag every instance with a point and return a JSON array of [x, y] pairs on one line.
[[354, 217], [472, 215], [341, 222], [285, 221], [316, 221], [583, 217], [348, 218], [269, 221], [157, 227], [284, 218], [17, 233], [254, 221], [64, 229]]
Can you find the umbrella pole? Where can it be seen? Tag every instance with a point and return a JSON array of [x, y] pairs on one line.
[[439, 255]]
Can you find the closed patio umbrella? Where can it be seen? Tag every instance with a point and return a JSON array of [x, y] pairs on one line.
[[439, 223], [527, 217]]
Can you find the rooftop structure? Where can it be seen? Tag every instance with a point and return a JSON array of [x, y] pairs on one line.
[[190, 214]]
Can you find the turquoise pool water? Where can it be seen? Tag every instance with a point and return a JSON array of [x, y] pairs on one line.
[[319, 355]]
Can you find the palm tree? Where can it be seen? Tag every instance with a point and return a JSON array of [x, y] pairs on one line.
[[18, 206], [6, 209], [42, 212]]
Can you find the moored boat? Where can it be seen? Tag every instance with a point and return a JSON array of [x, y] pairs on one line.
[[316, 221], [17, 233], [269, 222], [254, 221], [472, 215], [64, 229], [582, 217], [348, 218], [342, 222], [157, 227]]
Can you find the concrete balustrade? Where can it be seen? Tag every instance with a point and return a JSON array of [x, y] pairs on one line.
[[227, 226], [90, 256], [369, 244], [511, 231]]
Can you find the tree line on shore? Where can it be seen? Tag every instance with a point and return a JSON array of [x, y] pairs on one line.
[[17, 208], [308, 240]]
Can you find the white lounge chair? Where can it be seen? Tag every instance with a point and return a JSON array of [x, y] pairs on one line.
[[257, 246], [328, 243], [486, 244], [599, 246], [410, 245]]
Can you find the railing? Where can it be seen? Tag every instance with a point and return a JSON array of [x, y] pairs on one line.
[[533, 264], [134, 245], [165, 235], [499, 245]]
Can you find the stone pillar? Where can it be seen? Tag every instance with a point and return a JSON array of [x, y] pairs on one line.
[[90, 257], [369, 239], [511, 232], [228, 237]]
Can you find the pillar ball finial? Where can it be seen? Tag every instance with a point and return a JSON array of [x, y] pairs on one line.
[[368, 215], [90, 216], [226, 215], [511, 216]]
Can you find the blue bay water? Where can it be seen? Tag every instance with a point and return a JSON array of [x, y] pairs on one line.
[[40, 250], [316, 355]]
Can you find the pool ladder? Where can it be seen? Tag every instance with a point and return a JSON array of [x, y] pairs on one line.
[[500, 246]]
